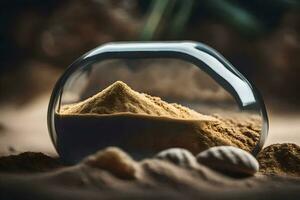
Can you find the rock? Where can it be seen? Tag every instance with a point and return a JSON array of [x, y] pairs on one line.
[[113, 160], [229, 160], [178, 156]]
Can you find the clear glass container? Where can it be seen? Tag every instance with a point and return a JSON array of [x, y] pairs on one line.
[[188, 73]]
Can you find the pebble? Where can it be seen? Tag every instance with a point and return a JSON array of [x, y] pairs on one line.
[[229, 160], [178, 156]]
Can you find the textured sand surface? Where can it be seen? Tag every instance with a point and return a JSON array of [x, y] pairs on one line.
[[98, 177], [280, 159]]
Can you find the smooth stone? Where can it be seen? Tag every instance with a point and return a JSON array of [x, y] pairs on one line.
[[229, 160], [178, 156]]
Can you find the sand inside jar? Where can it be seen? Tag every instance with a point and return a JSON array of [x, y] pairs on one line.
[[157, 124]]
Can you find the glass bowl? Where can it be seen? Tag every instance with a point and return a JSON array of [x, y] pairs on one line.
[[189, 73]]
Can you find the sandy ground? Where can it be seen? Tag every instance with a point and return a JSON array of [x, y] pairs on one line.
[[97, 177], [24, 128]]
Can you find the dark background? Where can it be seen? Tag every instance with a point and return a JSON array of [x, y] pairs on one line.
[[260, 38]]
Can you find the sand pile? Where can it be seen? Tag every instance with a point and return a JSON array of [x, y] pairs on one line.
[[167, 124], [280, 159], [120, 98]]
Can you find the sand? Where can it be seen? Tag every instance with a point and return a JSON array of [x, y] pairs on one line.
[[139, 122], [98, 177], [28, 162], [120, 98], [280, 159]]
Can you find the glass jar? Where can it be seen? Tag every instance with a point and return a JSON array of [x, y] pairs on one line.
[[189, 73]]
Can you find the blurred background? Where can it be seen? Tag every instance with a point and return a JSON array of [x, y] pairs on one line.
[[39, 39]]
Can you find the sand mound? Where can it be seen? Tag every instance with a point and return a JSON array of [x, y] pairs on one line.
[[120, 98], [280, 159]]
